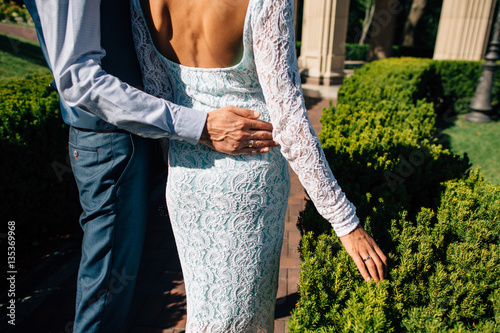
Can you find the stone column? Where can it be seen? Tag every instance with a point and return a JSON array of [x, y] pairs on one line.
[[464, 29], [323, 41]]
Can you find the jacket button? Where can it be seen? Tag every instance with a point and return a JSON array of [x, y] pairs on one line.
[[75, 153]]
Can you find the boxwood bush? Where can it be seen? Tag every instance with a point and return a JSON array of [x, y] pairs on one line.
[[437, 221], [361, 52], [459, 80], [10, 11], [356, 51], [38, 190]]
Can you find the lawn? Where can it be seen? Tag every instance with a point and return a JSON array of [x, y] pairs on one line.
[[481, 142], [19, 57]]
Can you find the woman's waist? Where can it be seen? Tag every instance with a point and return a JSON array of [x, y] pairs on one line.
[[200, 157]]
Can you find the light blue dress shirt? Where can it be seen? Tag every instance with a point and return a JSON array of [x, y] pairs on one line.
[[70, 34]]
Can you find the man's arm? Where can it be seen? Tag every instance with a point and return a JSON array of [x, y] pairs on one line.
[[71, 33]]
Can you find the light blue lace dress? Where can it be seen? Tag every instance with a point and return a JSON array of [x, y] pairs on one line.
[[227, 212]]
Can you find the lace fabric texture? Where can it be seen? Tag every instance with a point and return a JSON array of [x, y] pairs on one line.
[[227, 212]]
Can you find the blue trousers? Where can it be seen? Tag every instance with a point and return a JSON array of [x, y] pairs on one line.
[[121, 180]]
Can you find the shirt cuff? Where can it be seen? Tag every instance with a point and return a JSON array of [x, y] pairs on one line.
[[189, 124]]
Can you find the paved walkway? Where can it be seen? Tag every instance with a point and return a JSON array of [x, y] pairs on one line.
[[159, 304], [19, 31]]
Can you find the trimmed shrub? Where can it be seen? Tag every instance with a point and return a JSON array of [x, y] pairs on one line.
[[459, 80], [419, 201], [444, 272], [361, 52], [38, 190], [412, 51], [356, 51]]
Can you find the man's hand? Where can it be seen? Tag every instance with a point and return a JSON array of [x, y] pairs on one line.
[[236, 131]]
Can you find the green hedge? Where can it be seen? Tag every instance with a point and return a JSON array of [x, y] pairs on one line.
[[459, 80], [12, 12], [356, 51], [38, 190], [361, 52], [437, 221]]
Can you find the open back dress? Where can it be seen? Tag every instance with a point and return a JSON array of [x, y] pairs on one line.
[[227, 212]]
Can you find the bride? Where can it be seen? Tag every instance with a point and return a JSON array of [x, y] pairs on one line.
[[227, 212]]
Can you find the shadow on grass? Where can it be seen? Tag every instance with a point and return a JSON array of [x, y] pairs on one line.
[[22, 49], [448, 119], [444, 121]]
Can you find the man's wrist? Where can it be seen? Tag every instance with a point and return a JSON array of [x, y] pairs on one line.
[[204, 137], [190, 124]]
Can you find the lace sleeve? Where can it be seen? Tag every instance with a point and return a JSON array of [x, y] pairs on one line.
[[276, 63]]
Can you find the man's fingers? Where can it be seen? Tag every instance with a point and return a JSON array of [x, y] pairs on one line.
[[250, 114], [264, 143], [255, 147], [255, 144], [250, 151], [250, 122], [259, 144], [259, 125], [243, 147], [230, 129]]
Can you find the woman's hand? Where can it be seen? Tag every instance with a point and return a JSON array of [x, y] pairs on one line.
[[371, 262]]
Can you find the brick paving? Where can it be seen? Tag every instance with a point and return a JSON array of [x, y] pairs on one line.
[[160, 304], [19, 31]]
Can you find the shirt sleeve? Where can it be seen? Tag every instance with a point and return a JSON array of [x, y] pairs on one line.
[[71, 30], [276, 62]]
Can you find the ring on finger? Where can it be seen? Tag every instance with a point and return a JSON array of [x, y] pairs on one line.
[[250, 144], [367, 258]]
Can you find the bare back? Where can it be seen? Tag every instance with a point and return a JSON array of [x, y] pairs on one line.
[[198, 33]]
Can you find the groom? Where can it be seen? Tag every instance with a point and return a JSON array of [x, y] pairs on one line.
[[116, 163]]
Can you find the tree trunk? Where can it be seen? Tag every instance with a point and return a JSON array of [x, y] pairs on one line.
[[367, 22], [383, 25], [416, 12]]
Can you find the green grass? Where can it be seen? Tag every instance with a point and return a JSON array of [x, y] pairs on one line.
[[20, 57], [481, 142]]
